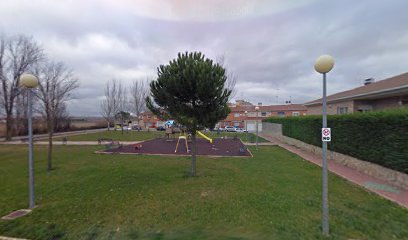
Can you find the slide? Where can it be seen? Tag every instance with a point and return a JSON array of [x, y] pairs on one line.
[[204, 136]]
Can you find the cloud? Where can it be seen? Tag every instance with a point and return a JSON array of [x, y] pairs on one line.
[[268, 45]]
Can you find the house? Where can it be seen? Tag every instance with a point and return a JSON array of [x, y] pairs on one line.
[[372, 96], [148, 120], [243, 114], [246, 116]]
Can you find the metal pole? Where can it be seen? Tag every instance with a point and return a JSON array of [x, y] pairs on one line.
[[30, 151], [256, 130], [246, 128], [325, 210]]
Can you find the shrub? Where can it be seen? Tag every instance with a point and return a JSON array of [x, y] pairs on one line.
[[377, 137]]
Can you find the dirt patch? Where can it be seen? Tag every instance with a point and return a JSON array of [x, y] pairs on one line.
[[163, 146]]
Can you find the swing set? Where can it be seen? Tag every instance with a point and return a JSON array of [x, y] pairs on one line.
[[183, 136]]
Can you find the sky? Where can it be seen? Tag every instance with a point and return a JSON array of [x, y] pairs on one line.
[[269, 45]]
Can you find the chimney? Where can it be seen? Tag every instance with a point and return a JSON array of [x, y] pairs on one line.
[[368, 81]]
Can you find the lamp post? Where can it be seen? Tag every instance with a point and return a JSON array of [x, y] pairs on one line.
[[246, 124], [256, 109], [323, 65], [29, 82]]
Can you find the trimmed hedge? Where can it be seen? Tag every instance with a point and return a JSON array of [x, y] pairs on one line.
[[377, 137]]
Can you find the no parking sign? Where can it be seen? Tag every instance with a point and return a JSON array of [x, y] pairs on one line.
[[326, 134]]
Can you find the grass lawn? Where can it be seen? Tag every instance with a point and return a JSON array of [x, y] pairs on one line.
[[275, 195], [144, 135]]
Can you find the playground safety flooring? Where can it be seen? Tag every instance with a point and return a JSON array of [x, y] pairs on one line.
[[164, 146]]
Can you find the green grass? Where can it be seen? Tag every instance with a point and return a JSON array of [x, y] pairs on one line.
[[144, 135], [275, 195]]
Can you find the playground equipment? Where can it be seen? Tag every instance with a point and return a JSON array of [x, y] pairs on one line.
[[183, 135], [204, 136]]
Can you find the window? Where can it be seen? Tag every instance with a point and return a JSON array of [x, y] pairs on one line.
[[236, 114], [295, 114], [342, 110], [236, 124], [281, 114], [263, 114]]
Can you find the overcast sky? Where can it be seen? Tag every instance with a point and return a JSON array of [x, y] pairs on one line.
[[270, 45]]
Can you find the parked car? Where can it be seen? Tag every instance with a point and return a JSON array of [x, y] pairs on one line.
[[221, 129], [136, 127], [238, 129], [160, 128], [230, 129]]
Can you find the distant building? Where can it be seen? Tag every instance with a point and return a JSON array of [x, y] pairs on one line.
[[148, 120], [239, 118], [372, 96], [242, 103]]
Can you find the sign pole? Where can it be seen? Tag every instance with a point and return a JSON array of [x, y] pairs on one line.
[[325, 210]]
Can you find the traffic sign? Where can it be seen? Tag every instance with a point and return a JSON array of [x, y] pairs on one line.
[[326, 134]]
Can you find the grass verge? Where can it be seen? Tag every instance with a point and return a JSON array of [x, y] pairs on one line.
[[275, 195]]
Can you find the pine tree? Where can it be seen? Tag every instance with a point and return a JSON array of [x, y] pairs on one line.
[[191, 90]]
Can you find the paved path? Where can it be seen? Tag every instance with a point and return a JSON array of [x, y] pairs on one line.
[[19, 142], [9, 238], [67, 143], [382, 188], [58, 134]]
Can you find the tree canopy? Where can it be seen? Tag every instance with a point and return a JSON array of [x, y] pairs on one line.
[[191, 90]]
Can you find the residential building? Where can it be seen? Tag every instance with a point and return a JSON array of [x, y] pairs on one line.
[[372, 96], [241, 115], [246, 116], [148, 120]]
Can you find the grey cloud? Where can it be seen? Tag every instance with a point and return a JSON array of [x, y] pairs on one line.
[[267, 50]]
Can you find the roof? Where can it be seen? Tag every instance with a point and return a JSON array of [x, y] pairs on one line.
[[270, 108], [379, 88]]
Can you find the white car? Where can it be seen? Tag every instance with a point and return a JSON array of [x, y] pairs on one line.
[[230, 129], [240, 130]]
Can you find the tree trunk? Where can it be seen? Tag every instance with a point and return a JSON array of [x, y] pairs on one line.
[[50, 129], [122, 127], [9, 126], [193, 154], [108, 126]]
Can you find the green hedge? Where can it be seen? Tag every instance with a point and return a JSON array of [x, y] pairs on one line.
[[377, 137]]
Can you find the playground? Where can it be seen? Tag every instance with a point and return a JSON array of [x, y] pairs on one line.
[[177, 146], [170, 145]]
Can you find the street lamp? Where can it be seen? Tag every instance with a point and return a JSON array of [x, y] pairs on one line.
[[323, 65], [29, 82], [246, 124], [256, 109]]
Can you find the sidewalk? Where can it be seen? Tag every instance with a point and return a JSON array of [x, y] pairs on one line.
[[71, 143], [382, 188], [58, 134]]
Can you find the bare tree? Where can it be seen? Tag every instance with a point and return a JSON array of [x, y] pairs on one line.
[[113, 102], [56, 84], [62, 120], [231, 77], [21, 114], [17, 55], [138, 93], [123, 106]]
